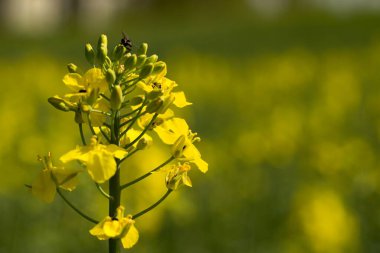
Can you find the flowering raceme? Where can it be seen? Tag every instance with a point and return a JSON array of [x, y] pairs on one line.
[[121, 99]]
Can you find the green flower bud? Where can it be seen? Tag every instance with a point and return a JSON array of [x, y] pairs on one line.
[[136, 100], [143, 143], [179, 146], [102, 41], [102, 48], [154, 94], [93, 96], [90, 54], [62, 104], [110, 76], [154, 105], [118, 52], [130, 62], [102, 54], [167, 102], [140, 60], [146, 71], [116, 97], [142, 49], [151, 59], [72, 68], [158, 68]]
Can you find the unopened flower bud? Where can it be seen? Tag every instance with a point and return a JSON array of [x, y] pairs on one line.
[[130, 62], [90, 54], [143, 143], [142, 49], [151, 59], [102, 41], [116, 97], [118, 52], [154, 106], [158, 68], [146, 71], [154, 94], [102, 48], [110, 76], [102, 53], [140, 60], [72, 68], [62, 104], [136, 100]]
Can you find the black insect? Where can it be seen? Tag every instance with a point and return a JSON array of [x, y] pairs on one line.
[[126, 42]]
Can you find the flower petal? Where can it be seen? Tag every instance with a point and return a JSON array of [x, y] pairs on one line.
[[98, 229], [201, 165], [170, 130], [116, 151], [80, 153], [44, 187], [112, 228], [130, 238], [94, 78], [101, 166], [180, 99], [73, 81]]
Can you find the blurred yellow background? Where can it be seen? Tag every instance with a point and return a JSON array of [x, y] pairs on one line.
[[286, 99]]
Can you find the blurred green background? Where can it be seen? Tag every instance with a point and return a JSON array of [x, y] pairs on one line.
[[285, 97]]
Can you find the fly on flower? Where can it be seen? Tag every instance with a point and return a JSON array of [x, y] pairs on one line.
[[126, 42]]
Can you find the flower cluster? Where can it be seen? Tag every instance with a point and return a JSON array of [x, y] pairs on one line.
[[122, 99]]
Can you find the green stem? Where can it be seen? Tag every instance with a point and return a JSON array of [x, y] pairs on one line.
[[146, 174], [76, 209], [101, 112], [105, 97], [81, 134], [152, 206], [90, 125], [131, 112], [114, 183], [102, 191], [104, 135]]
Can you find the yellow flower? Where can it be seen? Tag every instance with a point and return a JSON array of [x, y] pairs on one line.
[[176, 132], [164, 86], [117, 227], [98, 158], [82, 86], [177, 176], [51, 177]]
